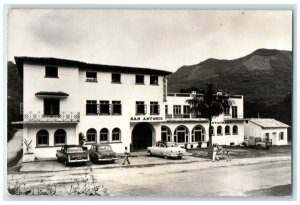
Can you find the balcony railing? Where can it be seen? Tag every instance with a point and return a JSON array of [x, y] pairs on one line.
[[62, 117], [229, 117], [193, 116]]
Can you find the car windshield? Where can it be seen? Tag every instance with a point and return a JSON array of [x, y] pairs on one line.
[[74, 149], [171, 144], [103, 148]]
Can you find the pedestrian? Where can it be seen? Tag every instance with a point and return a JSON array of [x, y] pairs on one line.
[[126, 157], [214, 156], [228, 158]]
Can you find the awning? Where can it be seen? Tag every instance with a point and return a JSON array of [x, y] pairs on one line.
[[51, 94]]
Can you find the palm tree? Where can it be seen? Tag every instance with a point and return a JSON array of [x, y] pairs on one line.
[[209, 105]]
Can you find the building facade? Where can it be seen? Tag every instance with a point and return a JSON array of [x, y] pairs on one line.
[[267, 129], [121, 106]]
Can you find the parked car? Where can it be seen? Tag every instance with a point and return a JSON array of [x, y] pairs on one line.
[[71, 154], [166, 149], [102, 153], [257, 142]]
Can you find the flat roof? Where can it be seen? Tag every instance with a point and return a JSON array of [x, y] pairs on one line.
[[21, 60]]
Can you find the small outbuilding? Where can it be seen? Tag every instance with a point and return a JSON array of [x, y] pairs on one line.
[[267, 129]]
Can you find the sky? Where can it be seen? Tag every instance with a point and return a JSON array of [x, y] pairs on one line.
[[159, 39]]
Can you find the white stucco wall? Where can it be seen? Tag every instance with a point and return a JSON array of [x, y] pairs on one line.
[[252, 129]]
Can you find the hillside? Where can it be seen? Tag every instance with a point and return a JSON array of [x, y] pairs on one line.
[[264, 77]]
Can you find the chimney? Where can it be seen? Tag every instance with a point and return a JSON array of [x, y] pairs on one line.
[[219, 92], [193, 94]]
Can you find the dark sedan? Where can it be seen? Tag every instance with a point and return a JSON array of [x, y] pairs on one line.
[[102, 153]]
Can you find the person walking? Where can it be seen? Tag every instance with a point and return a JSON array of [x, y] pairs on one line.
[[126, 156], [215, 150]]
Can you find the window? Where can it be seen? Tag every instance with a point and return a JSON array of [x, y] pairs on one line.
[[219, 130], [116, 134], [104, 135], [234, 112], [116, 78], [91, 76], [91, 107], [212, 130], [104, 107], [181, 134], [186, 111], [139, 79], [226, 110], [60, 137], [227, 130], [235, 130], [154, 108], [140, 108], [51, 106], [281, 136], [166, 109], [198, 134], [153, 80], [116, 108], [165, 134], [42, 138], [51, 72], [176, 109], [91, 136]]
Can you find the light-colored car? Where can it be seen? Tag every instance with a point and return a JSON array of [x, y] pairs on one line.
[[166, 149]]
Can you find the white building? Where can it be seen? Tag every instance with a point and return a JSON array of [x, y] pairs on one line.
[[122, 106], [269, 129]]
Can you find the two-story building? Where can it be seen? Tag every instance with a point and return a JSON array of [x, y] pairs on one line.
[[122, 106]]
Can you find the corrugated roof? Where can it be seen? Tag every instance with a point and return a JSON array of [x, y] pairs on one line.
[[268, 123], [81, 65]]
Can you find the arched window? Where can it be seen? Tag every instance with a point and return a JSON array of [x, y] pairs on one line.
[[235, 130], [60, 137], [181, 134], [42, 138], [116, 134], [212, 129], [165, 134], [104, 135], [91, 135], [198, 134], [219, 130], [227, 130]]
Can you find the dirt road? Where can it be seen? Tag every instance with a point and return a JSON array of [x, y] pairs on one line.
[[236, 178]]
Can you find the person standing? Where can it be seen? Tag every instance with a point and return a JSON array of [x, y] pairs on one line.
[[215, 150], [126, 156]]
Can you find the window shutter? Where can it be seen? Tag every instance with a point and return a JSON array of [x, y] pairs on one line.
[[145, 109], [110, 109], [158, 109]]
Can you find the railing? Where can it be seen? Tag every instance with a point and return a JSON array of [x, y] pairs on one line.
[[193, 116], [230, 117], [62, 117]]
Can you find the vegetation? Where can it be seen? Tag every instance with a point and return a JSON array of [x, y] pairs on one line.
[[208, 106], [263, 77]]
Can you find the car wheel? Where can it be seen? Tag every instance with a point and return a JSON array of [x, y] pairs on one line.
[[150, 153]]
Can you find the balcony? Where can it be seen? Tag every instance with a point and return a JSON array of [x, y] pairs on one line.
[[182, 117], [231, 117], [73, 117]]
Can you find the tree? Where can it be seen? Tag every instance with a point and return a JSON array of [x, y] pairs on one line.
[[209, 105]]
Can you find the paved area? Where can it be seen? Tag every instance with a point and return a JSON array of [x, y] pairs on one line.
[[136, 160]]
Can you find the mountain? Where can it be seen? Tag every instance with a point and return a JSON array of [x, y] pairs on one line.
[[263, 77]]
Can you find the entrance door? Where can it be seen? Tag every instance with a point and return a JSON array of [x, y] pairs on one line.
[[141, 136]]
